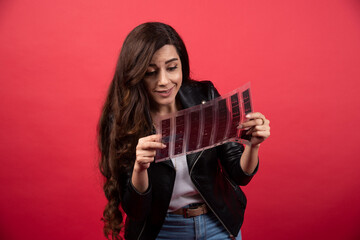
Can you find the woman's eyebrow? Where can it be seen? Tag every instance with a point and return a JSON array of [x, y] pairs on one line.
[[166, 62], [171, 60]]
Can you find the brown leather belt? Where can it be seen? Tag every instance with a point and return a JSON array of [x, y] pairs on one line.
[[192, 211]]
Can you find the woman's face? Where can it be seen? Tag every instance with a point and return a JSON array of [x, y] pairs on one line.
[[163, 78]]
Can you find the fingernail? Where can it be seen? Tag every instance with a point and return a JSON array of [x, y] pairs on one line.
[[163, 145], [247, 116], [240, 126]]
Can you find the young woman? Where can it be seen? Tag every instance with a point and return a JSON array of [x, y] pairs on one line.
[[196, 196]]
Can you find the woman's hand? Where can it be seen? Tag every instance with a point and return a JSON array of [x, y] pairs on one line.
[[146, 151], [257, 126]]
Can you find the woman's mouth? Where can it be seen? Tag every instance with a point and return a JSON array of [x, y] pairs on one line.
[[165, 93]]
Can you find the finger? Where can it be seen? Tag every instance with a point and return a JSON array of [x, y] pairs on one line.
[[151, 138], [151, 145], [255, 115], [145, 153], [262, 128], [263, 134], [247, 131], [145, 160], [251, 123], [260, 116]]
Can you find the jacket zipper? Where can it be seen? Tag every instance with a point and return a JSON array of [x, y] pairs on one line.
[[235, 187], [142, 230], [230, 235]]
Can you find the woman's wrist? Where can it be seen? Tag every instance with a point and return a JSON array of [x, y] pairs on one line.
[[255, 147], [139, 179]]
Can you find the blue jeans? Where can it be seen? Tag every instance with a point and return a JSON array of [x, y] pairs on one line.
[[203, 227]]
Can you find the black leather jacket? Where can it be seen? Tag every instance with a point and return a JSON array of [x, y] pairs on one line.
[[216, 173]]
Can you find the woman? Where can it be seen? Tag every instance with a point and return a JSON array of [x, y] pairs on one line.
[[190, 197]]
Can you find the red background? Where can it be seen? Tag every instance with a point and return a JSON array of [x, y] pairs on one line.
[[302, 58]]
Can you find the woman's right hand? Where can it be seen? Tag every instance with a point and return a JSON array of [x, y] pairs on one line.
[[146, 151]]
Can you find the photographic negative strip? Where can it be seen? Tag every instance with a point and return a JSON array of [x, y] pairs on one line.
[[179, 134], [166, 134], [246, 100], [205, 125], [222, 120], [194, 127], [208, 123], [235, 112]]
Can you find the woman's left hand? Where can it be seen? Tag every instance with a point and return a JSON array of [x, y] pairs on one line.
[[258, 126]]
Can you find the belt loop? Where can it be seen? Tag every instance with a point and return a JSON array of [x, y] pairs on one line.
[[185, 212]]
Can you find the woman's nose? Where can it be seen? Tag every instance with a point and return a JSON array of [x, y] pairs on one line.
[[163, 78]]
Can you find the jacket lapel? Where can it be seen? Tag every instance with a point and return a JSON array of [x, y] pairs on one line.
[[191, 158], [167, 163]]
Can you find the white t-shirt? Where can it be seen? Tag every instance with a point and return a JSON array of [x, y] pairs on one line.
[[184, 191]]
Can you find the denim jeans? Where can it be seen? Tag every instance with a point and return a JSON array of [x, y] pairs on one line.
[[203, 227]]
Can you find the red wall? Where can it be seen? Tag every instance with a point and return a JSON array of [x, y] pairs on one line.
[[302, 58]]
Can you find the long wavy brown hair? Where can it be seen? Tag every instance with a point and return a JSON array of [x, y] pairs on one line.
[[125, 116]]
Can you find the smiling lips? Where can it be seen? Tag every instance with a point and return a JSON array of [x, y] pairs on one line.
[[164, 93]]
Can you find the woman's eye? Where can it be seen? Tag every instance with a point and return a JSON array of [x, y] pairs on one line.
[[172, 68], [152, 73]]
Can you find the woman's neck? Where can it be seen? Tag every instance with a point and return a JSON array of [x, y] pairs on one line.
[[163, 110], [159, 111]]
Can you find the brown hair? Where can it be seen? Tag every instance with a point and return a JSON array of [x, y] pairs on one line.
[[125, 116]]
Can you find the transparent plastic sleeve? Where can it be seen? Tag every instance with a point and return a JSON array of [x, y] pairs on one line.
[[206, 125]]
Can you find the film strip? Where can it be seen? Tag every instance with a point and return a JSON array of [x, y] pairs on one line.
[[205, 125]]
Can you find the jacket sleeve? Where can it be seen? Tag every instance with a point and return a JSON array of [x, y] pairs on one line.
[[135, 204], [230, 153]]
